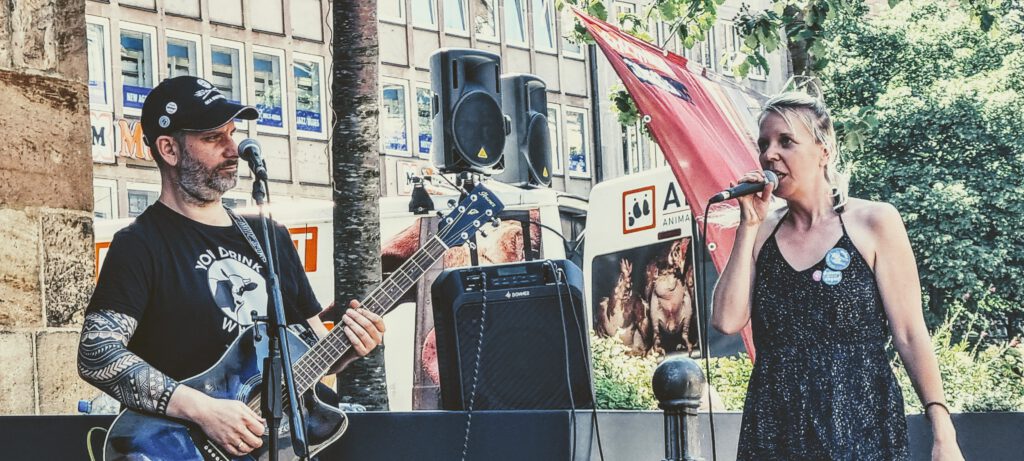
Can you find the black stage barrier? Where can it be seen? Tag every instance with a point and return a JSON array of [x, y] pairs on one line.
[[504, 435]]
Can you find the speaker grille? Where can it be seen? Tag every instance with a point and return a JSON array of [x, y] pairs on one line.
[[523, 361], [478, 129], [539, 143]]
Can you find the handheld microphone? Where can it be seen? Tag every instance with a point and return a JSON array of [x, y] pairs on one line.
[[746, 188], [250, 151]]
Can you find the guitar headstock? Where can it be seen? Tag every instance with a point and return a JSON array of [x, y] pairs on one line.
[[480, 207]]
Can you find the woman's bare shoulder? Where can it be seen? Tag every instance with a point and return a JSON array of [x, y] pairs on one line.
[[878, 217]]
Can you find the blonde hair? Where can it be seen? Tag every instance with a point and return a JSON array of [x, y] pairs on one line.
[[812, 113]]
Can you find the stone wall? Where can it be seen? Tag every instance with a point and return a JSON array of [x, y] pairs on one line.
[[46, 232]]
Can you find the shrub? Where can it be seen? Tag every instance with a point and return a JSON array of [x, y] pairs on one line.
[[622, 381], [730, 376]]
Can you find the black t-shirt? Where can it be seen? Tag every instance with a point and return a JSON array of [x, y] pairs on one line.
[[192, 286]]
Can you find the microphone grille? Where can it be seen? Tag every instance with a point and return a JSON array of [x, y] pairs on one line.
[[247, 147], [771, 177]]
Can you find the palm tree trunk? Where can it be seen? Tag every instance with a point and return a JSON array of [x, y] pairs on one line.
[[356, 173]]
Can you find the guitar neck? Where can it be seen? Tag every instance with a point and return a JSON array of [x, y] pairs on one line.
[[317, 361]]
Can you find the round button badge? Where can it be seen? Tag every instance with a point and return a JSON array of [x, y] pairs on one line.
[[831, 277], [837, 259]]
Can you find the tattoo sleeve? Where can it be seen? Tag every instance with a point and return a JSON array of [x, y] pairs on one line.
[[105, 362]]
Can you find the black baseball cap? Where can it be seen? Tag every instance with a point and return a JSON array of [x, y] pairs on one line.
[[191, 104]]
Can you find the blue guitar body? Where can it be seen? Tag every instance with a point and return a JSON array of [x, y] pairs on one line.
[[237, 376]]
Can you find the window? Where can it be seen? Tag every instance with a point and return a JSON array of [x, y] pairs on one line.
[[391, 10], [555, 134], [226, 12], [148, 4], [455, 12], [188, 8], [515, 22], [706, 49], [569, 47], [140, 197], [576, 142], [104, 194], [621, 9], [138, 66], [485, 23], [268, 86], [424, 14], [234, 202], [183, 54], [309, 95], [544, 25], [303, 25], [631, 149], [424, 123], [394, 125], [227, 72], [270, 17], [100, 87]]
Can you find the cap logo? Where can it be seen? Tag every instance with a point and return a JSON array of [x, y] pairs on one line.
[[204, 84], [164, 121], [171, 108]]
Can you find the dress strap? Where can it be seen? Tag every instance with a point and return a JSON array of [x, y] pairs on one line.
[[842, 223]]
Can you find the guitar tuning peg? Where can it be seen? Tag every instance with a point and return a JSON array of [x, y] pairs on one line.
[[452, 203], [495, 222], [483, 234], [440, 214], [472, 246]]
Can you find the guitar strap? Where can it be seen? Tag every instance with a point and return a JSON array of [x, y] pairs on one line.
[[250, 236]]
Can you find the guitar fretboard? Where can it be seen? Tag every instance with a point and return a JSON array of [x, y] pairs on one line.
[[315, 363]]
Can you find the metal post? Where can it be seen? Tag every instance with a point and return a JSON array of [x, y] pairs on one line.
[[678, 384]]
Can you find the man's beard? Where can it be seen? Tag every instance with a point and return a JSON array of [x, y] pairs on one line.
[[203, 185]]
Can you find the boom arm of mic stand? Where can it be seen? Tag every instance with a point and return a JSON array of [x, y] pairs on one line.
[[279, 350]]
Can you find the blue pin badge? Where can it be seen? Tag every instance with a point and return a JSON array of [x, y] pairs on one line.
[[837, 259], [831, 277]]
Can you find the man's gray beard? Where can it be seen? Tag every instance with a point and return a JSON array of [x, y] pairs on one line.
[[202, 185]]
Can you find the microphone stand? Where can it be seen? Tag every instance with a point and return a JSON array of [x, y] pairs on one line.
[[278, 360]]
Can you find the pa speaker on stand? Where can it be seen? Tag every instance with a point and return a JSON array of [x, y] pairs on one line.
[[469, 128], [527, 153], [535, 352]]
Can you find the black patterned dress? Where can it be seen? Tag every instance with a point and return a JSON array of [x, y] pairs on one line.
[[821, 388]]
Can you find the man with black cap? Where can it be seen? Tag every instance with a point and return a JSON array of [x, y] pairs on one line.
[[180, 282]]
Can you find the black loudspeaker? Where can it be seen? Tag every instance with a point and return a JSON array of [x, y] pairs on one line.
[[527, 153], [523, 362], [469, 128]]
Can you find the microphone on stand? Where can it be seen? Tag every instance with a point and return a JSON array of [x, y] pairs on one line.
[[250, 151], [744, 188]]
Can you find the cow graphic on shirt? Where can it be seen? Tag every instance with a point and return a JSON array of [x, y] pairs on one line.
[[237, 290]]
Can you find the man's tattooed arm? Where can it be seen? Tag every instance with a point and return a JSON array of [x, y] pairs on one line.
[[105, 362]]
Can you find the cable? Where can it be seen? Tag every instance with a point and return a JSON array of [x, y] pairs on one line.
[[476, 365], [703, 332], [568, 371], [584, 346]]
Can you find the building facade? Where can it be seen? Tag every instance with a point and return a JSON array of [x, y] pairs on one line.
[[276, 55]]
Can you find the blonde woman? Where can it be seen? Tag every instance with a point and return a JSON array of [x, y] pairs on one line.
[[825, 283]]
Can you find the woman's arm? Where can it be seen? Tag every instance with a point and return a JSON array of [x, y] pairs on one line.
[[900, 288]]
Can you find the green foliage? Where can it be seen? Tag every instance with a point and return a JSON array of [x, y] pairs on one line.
[[730, 376], [945, 100], [621, 381], [978, 377]]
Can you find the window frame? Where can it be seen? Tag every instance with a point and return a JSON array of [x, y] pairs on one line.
[[197, 39], [565, 22], [553, 49], [557, 166], [324, 122], [199, 11], [408, 152], [241, 14], [416, 150], [320, 22], [400, 19], [112, 185], [526, 24], [256, 28], [153, 67], [584, 132], [434, 26], [243, 83], [138, 186], [466, 19], [285, 119], [496, 17], [107, 52]]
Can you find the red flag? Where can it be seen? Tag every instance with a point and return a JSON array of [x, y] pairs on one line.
[[705, 128]]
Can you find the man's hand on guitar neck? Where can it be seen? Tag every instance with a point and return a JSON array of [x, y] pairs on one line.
[[364, 329], [229, 423]]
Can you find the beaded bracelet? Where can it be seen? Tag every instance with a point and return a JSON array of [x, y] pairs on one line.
[[940, 404]]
